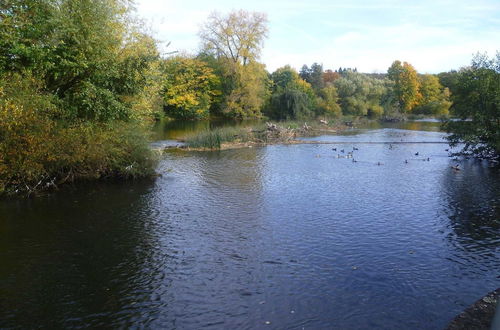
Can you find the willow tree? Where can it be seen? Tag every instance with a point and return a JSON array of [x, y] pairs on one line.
[[292, 97], [360, 95], [236, 40]]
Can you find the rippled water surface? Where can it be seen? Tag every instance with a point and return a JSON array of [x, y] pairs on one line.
[[279, 237]]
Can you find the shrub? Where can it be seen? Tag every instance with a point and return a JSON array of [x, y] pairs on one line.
[[38, 150]]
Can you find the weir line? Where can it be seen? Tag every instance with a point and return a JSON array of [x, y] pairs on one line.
[[367, 142]]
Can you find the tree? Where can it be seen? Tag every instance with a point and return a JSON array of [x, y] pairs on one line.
[[74, 75], [238, 37], [313, 75], [435, 99], [86, 53], [359, 94], [305, 72], [476, 103], [406, 85], [328, 101], [449, 80], [249, 92], [330, 76], [235, 42], [292, 97], [189, 89]]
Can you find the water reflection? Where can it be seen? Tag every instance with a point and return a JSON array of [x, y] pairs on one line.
[[67, 260], [473, 205]]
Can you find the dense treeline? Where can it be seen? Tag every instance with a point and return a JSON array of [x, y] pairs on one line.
[[80, 81], [226, 79]]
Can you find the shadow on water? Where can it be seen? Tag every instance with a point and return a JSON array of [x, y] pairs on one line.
[[471, 227], [69, 261], [473, 206]]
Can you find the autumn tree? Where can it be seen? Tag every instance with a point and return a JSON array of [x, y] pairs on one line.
[[77, 80], [235, 42], [238, 37], [330, 76], [406, 85], [190, 88], [435, 98]]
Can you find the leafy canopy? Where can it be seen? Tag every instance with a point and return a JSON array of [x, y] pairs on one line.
[[477, 103], [190, 88]]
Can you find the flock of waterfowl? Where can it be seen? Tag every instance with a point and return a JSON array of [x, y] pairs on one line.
[[350, 154]]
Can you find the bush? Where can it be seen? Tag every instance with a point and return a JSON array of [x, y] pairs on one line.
[[38, 151]]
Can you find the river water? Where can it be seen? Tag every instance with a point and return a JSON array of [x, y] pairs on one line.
[[278, 237]]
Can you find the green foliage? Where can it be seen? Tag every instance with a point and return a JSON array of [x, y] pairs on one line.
[[25, 30], [313, 75], [284, 77], [477, 103], [190, 88], [87, 53], [76, 77], [449, 80], [328, 101], [360, 95], [290, 104], [138, 78], [292, 97], [37, 151]]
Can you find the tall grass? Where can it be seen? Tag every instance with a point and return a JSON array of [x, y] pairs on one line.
[[213, 139]]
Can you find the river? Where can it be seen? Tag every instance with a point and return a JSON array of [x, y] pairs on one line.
[[277, 237]]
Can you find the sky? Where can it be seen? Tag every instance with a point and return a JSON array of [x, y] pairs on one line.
[[433, 35]]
